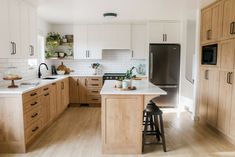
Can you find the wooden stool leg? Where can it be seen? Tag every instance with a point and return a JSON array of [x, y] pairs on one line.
[[145, 131], [162, 133], [157, 127]]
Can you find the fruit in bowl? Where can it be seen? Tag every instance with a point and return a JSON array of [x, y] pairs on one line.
[[60, 72]]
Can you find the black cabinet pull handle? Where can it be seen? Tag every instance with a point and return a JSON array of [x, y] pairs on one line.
[[35, 129], [33, 94], [46, 94], [95, 79], [34, 115], [232, 28], [35, 103], [230, 77], [45, 89]]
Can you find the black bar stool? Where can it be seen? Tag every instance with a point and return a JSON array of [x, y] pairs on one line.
[[153, 125]]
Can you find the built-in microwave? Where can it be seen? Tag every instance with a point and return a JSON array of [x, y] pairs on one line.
[[209, 54]]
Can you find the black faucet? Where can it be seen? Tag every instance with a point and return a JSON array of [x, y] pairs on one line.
[[39, 70]]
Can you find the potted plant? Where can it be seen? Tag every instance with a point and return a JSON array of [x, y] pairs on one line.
[[53, 40], [128, 77], [95, 67]]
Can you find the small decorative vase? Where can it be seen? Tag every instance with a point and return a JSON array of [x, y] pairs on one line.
[[125, 84], [94, 71]]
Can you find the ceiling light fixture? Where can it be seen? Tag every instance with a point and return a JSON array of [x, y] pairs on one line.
[[110, 15]]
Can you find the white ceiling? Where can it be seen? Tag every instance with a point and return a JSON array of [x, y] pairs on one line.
[[91, 11]]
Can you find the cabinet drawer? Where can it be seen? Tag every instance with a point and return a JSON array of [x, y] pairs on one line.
[[30, 95], [94, 82], [32, 130], [31, 104], [45, 89], [32, 116], [93, 99], [93, 91]]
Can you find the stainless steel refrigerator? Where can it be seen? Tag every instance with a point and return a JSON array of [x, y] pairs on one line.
[[164, 71]]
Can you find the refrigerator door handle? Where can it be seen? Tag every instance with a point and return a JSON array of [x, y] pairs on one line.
[[167, 86], [151, 65]]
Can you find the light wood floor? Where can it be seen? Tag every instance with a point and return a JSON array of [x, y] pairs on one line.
[[77, 134]]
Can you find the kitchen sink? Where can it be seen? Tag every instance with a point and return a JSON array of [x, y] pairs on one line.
[[49, 78]]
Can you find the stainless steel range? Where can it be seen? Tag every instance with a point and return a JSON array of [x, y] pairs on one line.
[[113, 76]]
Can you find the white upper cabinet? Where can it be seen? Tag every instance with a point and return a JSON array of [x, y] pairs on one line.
[[80, 42], [28, 30], [14, 25], [139, 41], [94, 41], [5, 50], [18, 29], [90, 40], [32, 31], [164, 32], [117, 36]]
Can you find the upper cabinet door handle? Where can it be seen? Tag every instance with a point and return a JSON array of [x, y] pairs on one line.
[[12, 48], [232, 28], [163, 37], [31, 50]]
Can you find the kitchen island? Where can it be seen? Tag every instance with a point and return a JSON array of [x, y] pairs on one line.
[[122, 116]]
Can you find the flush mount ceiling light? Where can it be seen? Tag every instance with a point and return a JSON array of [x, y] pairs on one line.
[[110, 15]]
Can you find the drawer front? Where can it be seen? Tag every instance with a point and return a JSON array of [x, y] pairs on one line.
[[30, 95], [93, 99], [45, 89], [94, 82], [32, 116], [31, 104], [33, 130], [93, 91]]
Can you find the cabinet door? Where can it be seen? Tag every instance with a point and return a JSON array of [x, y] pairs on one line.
[[225, 98], [45, 108], [5, 47], [32, 31], [156, 31], [53, 101], [213, 97], [83, 89], [80, 42], [227, 49], [228, 18], [59, 108], [232, 116], [203, 97], [139, 41], [172, 32], [210, 23], [74, 89], [24, 16], [66, 93], [14, 25], [117, 36], [94, 41]]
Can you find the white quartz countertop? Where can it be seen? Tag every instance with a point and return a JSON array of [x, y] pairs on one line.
[[38, 83], [143, 87]]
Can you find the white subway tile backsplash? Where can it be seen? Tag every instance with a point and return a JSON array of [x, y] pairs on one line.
[[113, 61]]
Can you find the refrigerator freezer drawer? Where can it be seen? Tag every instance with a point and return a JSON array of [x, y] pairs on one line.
[[169, 100]]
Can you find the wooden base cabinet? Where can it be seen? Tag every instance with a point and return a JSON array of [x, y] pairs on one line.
[[85, 90], [209, 92], [225, 100], [24, 116]]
